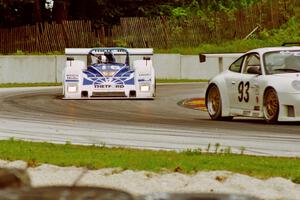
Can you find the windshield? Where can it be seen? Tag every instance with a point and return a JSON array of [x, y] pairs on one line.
[[282, 62]]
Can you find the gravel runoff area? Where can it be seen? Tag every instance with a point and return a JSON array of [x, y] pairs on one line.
[[142, 182]]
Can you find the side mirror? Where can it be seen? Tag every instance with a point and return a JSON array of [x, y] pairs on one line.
[[254, 70]]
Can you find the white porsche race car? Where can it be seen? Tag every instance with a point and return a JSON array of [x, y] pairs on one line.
[[263, 83], [100, 73]]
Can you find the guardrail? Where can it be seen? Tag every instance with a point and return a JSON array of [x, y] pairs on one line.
[[32, 69]]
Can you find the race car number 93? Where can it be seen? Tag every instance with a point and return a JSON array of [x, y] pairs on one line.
[[243, 91]]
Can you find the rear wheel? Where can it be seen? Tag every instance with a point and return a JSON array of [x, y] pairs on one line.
[[271, 106], [154, 93], [214, 102]]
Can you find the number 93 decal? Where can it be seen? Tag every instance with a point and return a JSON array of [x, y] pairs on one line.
[[243, 90]]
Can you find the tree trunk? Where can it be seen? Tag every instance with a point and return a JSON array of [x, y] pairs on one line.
[[60, 10], [37, 11]]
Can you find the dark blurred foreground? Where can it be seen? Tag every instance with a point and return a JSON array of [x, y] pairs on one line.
[[15, 185]]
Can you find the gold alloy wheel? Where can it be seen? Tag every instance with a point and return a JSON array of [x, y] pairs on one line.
[[271, 105], [213, 101]]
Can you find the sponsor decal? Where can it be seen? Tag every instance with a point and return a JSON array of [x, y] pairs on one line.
[[255, 114], [247, 112], [144, 80], [97, 86], [72, 76]]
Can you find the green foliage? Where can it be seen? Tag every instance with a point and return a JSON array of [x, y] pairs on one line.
[[242, 149], [289, 31], [208, 148], [179, 12], [198, 8], [217, 147], [197, 151], [228, 150], [120, 43], [265, 38], [19, 52], [15, 13]]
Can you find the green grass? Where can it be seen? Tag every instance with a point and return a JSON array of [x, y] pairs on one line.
[[10, 85], [180, 80], [96, 157], [235, 46]]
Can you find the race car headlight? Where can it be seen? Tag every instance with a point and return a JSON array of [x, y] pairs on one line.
[[296, 85], [72, 88], [145, 88]]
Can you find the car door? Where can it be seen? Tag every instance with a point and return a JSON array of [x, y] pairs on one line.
[[248, 87], [232, 79]]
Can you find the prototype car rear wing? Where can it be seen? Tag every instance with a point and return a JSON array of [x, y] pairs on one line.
[[116, 51]]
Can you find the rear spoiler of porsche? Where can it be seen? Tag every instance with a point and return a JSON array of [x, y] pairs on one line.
[[115, 51]]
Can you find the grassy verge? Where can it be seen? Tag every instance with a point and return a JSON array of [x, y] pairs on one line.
[[11, 85], [95, 157], [180, 80], [234, 46]]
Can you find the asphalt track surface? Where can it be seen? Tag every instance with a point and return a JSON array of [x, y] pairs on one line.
[[39, 114]]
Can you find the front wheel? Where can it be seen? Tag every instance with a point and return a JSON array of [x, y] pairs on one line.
[[271, 106]]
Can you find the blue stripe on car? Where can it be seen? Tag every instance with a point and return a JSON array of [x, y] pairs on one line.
[[129, 82], [87, 82]]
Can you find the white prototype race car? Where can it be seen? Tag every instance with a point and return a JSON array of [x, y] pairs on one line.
[[263, 83], [107, 76]]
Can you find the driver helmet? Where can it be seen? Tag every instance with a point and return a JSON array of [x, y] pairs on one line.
[[110, 58]]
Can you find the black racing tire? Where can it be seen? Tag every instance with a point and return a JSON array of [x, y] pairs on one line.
[[154, 93], [271, 106], [213, 102]]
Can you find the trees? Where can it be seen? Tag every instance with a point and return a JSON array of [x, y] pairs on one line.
[[16, 13], [108, 12]]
